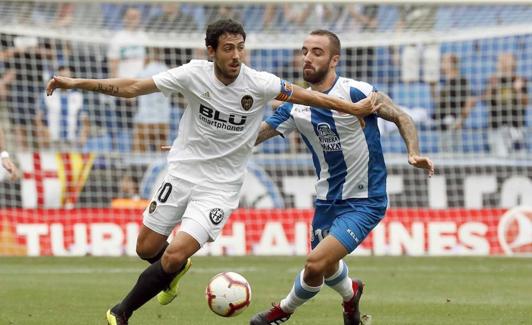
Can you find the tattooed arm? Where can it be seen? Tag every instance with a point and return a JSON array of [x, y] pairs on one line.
[[265, 132], [391, 112], [119, 87]]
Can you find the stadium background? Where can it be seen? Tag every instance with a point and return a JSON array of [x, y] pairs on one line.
[[85, 181], [85, 178]]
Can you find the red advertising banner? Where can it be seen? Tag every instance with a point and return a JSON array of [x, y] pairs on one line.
[[424, 232]]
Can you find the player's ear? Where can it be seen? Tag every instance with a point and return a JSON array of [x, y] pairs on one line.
[[211, 51], [334, 61]]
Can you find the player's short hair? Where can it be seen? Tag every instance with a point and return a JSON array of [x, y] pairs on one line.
[[334, 41], [220, 27], [65, 67]]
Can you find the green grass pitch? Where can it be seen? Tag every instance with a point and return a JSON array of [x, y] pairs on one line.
[[399, 290]]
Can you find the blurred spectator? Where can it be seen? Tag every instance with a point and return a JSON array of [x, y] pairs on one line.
[[317, 15], [171, 18], [355, 18], [65, 15], [129, 185], [41, 13], [128, 196], [5, 159], [227, 11], [271, 16], [414, 17], [197, 12], [507, 99], [111, 14], [293, 69], [61, 120], [453, 103], [126, 50], [153, 116], [24, 60], [126, 57], [5, 80], [359, 17]]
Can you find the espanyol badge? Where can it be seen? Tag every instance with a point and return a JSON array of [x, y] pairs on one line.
[[216, 215], [247, 102]]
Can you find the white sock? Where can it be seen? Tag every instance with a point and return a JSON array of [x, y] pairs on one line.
[[341, 282], [300, 293]]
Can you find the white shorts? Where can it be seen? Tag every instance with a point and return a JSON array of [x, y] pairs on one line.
[[202, 211]]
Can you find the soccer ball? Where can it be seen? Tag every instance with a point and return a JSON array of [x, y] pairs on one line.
[[228, 294]]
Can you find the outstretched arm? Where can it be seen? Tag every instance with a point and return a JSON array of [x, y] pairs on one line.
[[317, 99], [391, 112], [265, 132], [119, 87]]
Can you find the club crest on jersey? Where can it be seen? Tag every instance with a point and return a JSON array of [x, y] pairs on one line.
[[153, 206], [216, 215], [329, 140], [247, 102]]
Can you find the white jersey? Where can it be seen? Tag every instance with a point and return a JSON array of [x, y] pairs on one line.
[[348, 159], [220, 124]]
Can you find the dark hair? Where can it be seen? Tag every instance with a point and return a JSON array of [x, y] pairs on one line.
[[454, 60], [334, 41], [220, 27], [65, 67]]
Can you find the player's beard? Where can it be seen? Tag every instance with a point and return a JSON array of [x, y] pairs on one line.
[[316, 76], [225, 71]]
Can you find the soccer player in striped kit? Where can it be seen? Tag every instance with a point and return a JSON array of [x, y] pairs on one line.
[[351, 186]]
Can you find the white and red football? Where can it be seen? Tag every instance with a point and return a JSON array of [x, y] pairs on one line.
[[228, 294]]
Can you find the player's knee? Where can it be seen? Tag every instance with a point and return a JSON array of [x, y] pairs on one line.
[[142, 251], [173, 260], [146, 250], [331, 269], [315, 267]]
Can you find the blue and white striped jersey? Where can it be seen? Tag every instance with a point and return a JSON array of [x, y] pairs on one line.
[[348, 159]]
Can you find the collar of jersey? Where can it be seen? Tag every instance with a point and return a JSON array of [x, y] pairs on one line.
[[334, 84], [220, 83]]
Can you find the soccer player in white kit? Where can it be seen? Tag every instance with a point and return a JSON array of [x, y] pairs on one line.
[[351, 194], [207, 161]]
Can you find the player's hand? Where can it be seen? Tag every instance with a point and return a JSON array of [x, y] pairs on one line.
[[422, 162], [59, 82], [11, 168], [275, 104], [368, 105], [361, 121]]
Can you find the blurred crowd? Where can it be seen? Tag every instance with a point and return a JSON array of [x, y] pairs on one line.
[[256, 17], [433, 83], [195, 17]]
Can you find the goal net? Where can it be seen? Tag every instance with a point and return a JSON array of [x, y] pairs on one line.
[[89, 164]]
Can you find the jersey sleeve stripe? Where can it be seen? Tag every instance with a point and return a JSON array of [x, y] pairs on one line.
[[356, 95]]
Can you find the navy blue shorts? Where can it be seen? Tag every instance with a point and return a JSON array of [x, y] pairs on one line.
[[350, 221]]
